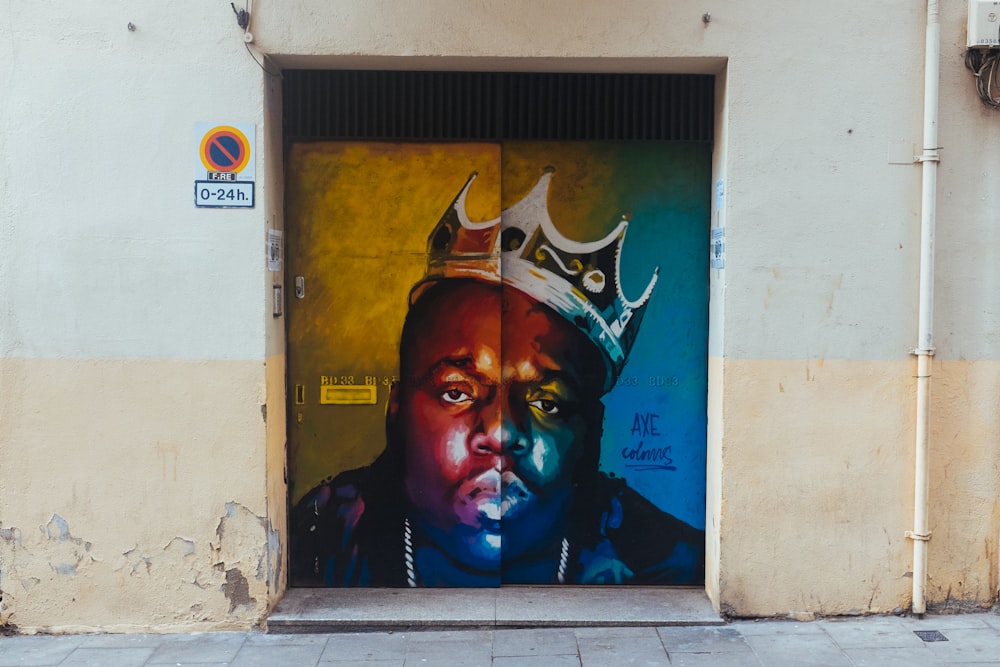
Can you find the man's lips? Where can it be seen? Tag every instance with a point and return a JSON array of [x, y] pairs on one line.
[[489, 497], [515, 495], [479, 501]]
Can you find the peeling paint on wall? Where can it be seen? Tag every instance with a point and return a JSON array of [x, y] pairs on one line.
[[237, 590], [222, 578], [10, 537], [238, 531], [176, 549], [273, 557], [68, 553]]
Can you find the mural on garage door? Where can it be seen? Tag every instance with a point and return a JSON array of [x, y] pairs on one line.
[[497, 363]]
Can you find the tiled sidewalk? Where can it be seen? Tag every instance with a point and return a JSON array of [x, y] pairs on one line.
[[883, 641]]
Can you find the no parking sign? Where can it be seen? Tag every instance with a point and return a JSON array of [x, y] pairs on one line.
[[224, 172]]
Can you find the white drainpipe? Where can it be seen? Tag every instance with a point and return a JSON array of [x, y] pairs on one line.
[[928, 160]]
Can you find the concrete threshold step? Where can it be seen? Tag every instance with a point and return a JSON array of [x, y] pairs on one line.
[[366, 609]]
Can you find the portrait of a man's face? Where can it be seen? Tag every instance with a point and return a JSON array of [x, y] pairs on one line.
[[464, 430], [494, 420]]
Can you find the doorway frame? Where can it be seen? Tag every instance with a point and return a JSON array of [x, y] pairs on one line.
[[275, 386]]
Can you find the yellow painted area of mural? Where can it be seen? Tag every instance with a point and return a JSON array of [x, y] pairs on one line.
[[584, 191], [359, 216]]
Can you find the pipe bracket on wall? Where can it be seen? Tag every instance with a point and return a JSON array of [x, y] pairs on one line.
[[921, 537]]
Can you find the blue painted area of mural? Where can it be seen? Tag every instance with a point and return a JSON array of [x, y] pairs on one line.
[[655, 424]]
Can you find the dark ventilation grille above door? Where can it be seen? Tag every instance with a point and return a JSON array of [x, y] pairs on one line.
[[340, 104]]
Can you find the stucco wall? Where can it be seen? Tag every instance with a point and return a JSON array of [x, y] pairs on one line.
[[811, 410], [142, 486], [132, 334]]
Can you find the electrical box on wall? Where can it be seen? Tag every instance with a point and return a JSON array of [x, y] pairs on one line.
[[984, 24]]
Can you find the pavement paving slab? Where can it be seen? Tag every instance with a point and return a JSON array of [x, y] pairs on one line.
[[702, 640], [102, 657], [198, 648], [801, 649], [945, 622], [258, 655], [967, 645], [36, 651], [137, 640], [777, 627], [537, 661], [534, 642], [263, 639], [881, 632], [638, 648], [730, 659], [365, 646], [893, 657], [882, 641], [454, 647]]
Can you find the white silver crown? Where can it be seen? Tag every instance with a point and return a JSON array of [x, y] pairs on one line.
[[523, 249]]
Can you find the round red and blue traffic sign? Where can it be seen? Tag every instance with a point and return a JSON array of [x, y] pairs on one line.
[[225, 149]]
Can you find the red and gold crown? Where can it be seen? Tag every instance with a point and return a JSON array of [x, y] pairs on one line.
[[523, 249]]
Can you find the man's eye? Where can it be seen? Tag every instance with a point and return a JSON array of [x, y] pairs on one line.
[[547, 406], [455, 396]]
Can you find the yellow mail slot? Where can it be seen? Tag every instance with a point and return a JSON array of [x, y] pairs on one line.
[[347, 394]]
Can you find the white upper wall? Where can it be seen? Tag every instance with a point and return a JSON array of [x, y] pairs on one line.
[[823, 101], [106, 256], [104, 253]]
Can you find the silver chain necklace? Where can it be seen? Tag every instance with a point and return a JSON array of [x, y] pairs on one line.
[[411, 572]]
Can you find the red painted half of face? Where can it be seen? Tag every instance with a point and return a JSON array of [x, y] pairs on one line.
[[492, 416]]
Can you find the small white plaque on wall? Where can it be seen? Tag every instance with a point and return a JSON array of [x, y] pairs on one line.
[[718, 248]]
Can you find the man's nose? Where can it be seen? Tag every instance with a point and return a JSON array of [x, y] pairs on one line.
[[501, 431]]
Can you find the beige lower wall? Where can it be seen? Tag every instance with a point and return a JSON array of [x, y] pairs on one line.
[[134, 495], [149, 495], [277, 477], [965, 484], [713, 481], [816, 472]]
